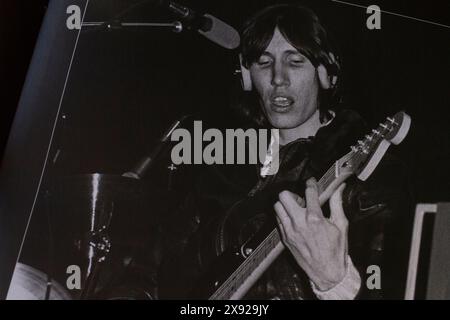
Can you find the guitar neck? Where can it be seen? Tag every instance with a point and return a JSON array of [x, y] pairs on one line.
[[362, 160], [245, 276]]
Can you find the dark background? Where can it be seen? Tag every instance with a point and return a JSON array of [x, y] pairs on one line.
[[20, 22], [127, 86]]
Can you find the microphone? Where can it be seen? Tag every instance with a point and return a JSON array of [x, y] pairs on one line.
[[146, 163], [207, 25]]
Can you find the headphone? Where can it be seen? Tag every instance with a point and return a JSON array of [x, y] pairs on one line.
[[326, 80], [246, 79]]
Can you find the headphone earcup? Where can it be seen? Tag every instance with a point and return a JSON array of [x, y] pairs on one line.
[[246, 79], [328, 81], [324, 78]]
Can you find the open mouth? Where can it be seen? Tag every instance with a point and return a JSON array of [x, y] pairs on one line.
[[281, 101]]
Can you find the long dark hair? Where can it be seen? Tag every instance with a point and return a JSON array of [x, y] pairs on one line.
[[302, 28]]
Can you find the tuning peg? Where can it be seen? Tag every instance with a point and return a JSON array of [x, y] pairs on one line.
[[392, 120], [375, 132], [369, 137]]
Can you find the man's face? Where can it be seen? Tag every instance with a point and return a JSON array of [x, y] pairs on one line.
[[287, 84]]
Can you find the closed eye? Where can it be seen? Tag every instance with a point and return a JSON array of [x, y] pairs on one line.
[[263, 64], [264, 61], [297, 62], [296, 59]]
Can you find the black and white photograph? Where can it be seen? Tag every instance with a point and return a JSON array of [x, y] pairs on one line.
[[251, 150]]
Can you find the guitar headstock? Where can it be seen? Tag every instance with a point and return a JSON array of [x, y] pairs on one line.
[[396, 128], [367, 153]]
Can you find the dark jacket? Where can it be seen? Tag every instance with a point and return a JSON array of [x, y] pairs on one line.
[[200, 225]]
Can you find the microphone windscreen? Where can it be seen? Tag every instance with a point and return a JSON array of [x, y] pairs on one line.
[[221, 33]]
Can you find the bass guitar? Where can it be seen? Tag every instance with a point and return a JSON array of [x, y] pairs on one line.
[[237, 269]]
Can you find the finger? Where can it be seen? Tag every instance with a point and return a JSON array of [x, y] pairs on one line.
[[286, 231], [336, 208], [312, 198], [291, 206], [283, 217], [300, 201], [297, 199]]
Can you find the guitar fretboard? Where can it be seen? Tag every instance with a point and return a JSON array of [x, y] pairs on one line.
[[268, 245]]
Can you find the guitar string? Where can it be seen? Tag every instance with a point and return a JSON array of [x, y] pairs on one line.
[[237, 272], [273, 237]]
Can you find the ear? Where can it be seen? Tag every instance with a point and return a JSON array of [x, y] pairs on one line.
[[246, 78], [326, 81]]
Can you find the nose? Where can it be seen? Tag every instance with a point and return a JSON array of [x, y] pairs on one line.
[[280, 75]]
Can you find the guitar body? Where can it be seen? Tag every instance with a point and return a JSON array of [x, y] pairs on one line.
[[245, 223], [245, 226], [248, 238], [217, 274]]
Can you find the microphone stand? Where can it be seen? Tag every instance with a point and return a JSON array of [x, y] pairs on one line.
[[176, 26]]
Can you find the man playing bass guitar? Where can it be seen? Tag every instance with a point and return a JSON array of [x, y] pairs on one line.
[[291, 83]]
